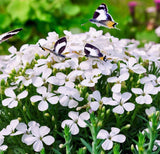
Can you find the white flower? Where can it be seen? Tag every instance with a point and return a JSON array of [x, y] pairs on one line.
[[10, 129], [133, 65], [60, 79], [120, 101], [61, 65], [39, 81], [105, 67], [150, 111], [13, 100], [77, 120], [111, 137], [117, 87], [69, 96], [2, 147], [153, 79], [38, 135], [44, 98], [98, 100], [91, 77], [84, 65], [28, 78], [145, 97]]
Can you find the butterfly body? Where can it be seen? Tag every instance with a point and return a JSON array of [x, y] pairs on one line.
[[7, 35], [59, 47], [93, 52], [101, 17]]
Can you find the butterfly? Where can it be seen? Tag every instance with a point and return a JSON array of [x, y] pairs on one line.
[[101, 17], [94, 52], [59, 47], [7, 35]]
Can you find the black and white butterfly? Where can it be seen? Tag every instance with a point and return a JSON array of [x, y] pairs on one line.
[[101, 17], [59, 47], [94, 52], [7, 35]]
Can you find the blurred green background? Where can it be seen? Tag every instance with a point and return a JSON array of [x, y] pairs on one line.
[[38, 17]]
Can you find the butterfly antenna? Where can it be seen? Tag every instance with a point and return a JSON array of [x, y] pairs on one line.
[[84, 23]]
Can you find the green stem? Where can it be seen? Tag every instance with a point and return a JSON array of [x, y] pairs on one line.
[[93, 128], [94, 143], [67, 136]]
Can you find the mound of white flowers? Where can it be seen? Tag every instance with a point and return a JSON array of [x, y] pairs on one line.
[[42, 93]]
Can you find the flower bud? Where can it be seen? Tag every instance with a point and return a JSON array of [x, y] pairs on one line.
[[24, 108], [61, 146], [99, 124], [46, 115]]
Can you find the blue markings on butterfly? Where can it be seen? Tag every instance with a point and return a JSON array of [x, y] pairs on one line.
[[59, 47], [7, 35]]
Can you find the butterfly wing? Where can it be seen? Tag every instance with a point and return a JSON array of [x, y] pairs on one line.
[[108, 24], [60, 46], [7, 35], [100, 13], [92, 51]]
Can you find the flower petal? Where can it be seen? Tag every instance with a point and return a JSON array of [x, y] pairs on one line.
[[102, 134], [96, 95], [7, 101], [140, 100], [107, 144], [73, 115], [94, 105], [72, 103], [42, 106], [147, 99], [36, 98], [118, 109], [119, 138], [124, 76], [129, 106], [48, 140], [114, 131], [67, 122], [126, 96], [28, 139], [38, 146], [38, 82], [74, 129], [13, 104], [137, 90], [116, 88], [53, 100], [44, 130], [42, 90], [23, 94], [10, 93]]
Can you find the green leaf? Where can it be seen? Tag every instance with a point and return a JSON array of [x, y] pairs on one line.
[[147, 36], [19, 9], [56, 151], [5, 21], [86, 144], [40, 13], [42, 151], [71, 10]]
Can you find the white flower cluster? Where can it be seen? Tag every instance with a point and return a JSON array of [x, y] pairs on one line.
[[32, 135], [58, 81]]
